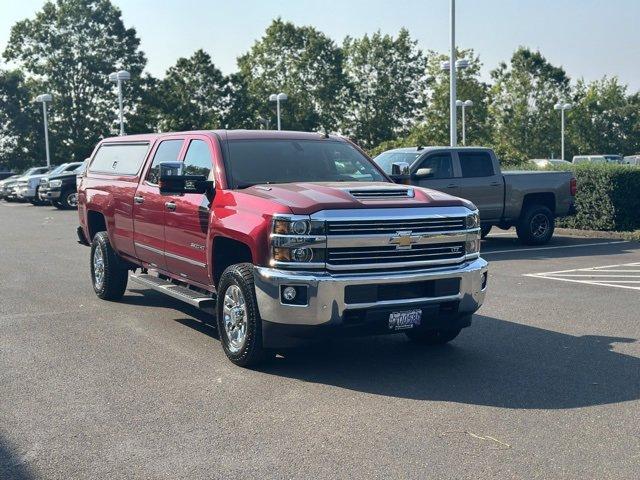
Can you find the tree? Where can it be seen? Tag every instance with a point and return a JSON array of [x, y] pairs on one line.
[[194, 94], [385, 76], [21, 142], [71, 46], [522, 113], [303, 63], [604, 119]]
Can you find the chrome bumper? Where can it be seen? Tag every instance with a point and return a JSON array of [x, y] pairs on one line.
[[326, 292]]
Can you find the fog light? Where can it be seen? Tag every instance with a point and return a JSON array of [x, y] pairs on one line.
[[472, 246], [289, 293], [302, 254]]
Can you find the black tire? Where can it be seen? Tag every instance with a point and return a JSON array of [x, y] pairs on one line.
[[67, 201], [433, 337], [58, 205], [114, 274], [251, 351], [536, 225], [484, 230]]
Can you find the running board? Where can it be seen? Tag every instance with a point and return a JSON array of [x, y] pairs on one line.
[[197, 299]]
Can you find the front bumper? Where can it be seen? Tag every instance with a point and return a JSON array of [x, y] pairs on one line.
[[52, 194], [26, 193], [328, 305]]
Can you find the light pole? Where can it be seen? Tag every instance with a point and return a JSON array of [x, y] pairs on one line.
[[119, 77], [45, 98], [452, 79], [562, 107], [464, 105], [280, 97]]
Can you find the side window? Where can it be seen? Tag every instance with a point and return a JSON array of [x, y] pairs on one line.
[[167, 151], [476, 164], [440, 165], [119, 158], [198, 159]]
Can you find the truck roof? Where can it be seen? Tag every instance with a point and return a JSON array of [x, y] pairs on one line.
[[228, 135], [433, 148]]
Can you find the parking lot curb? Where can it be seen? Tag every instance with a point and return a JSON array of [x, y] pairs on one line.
[[574, 232]]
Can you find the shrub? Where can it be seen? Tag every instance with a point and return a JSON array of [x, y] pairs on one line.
[[608, 198]]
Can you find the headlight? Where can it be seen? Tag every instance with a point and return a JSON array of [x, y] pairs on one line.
[[298, 242], [473, 220], [472, 246], [55, 183]]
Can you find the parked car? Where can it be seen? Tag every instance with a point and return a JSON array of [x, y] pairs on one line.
[[549, 162], [6, 174], [18, 188], [632, 160], [6, 185], [296, 235], [597, 159], [530, 201], [59, 186]]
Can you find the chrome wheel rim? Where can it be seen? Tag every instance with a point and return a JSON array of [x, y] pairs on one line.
[[98, 268], [72, 199], [539, 225], [234, 311]]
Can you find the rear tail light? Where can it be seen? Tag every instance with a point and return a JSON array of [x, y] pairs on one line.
[[573, 187]]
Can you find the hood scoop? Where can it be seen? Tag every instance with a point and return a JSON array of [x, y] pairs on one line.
[[382, 193]]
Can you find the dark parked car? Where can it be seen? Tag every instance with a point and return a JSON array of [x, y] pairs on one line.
[[60, 189]]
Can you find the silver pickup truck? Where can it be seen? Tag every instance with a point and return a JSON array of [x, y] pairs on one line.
[[528, 200]]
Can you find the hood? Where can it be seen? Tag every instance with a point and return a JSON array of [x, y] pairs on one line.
[[62, 175], [308, 198]]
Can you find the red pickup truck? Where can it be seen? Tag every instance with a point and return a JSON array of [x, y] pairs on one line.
[[281, 235]]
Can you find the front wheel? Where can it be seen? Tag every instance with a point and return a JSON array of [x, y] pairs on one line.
[[238, 319], [69, 199], [108, 275], [433, 337], [536, 225]]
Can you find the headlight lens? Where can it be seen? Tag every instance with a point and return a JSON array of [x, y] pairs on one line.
[[288, 226], [473, 220], [296, 240], [55, 183]]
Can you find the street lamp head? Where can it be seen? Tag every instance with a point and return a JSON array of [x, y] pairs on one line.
[[567, 106], [282, 97], [462, 63], [459, 103], [45, 97], [557, 106], [445, 66], [273, 97], [122, 75], [468, 103]]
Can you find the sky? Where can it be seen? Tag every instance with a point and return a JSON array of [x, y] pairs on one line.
[[589, 38]]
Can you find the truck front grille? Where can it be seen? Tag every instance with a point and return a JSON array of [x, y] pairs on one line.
[[417, 225], [390, 256]]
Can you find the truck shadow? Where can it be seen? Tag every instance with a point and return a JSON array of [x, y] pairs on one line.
[[12, 467], [495, 363]]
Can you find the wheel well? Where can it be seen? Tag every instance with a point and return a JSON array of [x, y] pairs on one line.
[[96, 223], [227, 252], [545, 199]]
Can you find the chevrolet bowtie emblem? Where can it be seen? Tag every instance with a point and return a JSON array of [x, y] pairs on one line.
[[403, 240]]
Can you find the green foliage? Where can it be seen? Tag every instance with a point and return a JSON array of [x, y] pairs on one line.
[[71, 46], [607, 198], [385, 77], [194, 94], [303, 63], [523, 96]]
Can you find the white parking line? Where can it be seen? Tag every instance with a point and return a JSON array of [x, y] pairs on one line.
[[555, 247], [615, 276]]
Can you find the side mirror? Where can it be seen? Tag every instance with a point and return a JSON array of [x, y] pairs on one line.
[[173, 180], [423, 172], [400, 169]]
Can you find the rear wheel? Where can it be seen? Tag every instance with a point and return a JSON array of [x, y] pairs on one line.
[[238, 319], [433, 337], [536, 225], [108, 275]]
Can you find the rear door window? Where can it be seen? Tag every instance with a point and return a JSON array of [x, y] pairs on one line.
[[476, 164], [440, 164], [167, 151], [119, 159]]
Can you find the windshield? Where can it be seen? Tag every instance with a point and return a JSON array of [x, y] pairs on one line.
[[254, 162], [387, 159]]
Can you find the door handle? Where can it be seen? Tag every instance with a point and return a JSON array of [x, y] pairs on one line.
[[452, 185], [138, 199], [170, 206], [496, 184]]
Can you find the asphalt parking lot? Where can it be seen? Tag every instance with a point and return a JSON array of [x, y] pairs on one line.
[[545, 384]]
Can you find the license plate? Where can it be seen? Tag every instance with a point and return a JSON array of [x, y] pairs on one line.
[[405, 320]]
